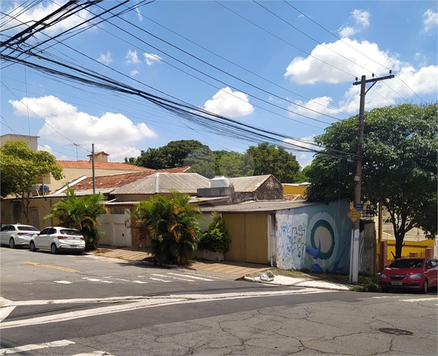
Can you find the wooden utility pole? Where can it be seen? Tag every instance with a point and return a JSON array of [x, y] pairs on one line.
[[354, 256]]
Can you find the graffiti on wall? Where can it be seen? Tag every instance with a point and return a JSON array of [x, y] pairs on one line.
[[315, 238], [291, 235]]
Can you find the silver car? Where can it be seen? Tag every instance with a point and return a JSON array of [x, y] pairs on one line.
[[56, 239], [17, 234]]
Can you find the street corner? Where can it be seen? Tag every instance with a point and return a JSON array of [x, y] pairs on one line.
[[268, 277]]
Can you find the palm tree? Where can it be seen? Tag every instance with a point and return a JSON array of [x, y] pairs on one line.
[[80, 213], [171, 226]]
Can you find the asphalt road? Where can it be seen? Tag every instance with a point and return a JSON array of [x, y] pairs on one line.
[[88, 305]]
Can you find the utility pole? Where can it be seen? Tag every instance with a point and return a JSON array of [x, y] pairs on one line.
[[92, 167], [354, 255]]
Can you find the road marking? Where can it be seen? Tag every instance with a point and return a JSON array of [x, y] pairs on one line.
[[96, 280], [63, 282], [5, 311], [139, 282], [95, 353], [147, 302], [54, 267], [9, 303], [419, 299], [191, 276], [31, 347], [177, 278], [160, 280]]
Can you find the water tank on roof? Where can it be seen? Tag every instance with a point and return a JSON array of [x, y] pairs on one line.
[[219, 182]]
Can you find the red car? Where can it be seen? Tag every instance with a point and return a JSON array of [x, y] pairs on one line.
[[410, 273]]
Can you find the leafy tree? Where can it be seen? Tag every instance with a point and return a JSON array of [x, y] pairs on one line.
[[399, 166], [303, 175], [270, 159], [233, 164], [21, 167], [80, 213], [170, 225], [176, 154], [216, 238]]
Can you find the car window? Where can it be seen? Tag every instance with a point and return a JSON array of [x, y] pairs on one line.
[[27, 228], [70, 232], [11, 228], [407, 264], [52, 231], [44, 231], [4, 228]]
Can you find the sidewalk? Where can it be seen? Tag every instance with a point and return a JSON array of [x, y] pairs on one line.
[[250, 272]]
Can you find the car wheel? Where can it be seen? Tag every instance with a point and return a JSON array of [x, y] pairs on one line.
[[11, 242], [425, 287], [53, 249], [32, 246]]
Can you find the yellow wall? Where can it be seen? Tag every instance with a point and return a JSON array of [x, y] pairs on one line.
[[294, 189], [410, 246]]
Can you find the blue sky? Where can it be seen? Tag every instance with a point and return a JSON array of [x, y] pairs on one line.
[[283, 66]]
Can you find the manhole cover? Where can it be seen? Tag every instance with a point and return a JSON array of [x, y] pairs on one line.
[[395, 331]]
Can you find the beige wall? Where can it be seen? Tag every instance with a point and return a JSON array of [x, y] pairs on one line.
[[12, 212], [31, 140]]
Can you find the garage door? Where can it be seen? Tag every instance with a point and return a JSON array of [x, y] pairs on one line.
[[249, 237]]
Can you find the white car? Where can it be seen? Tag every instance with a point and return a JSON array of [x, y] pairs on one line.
[[17, 234], [56, 239]]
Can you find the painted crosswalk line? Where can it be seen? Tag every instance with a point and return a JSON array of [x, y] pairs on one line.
[[32, 347], [138, 303]]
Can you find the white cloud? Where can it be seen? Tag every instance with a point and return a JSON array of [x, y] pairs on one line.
[[150, 58], [313, 107], [361, 21], [111, 132], [26, 16], [316, 68], [409, 82], [139, 15], [362, 17], [228, 103], [45, 148], [105, 58], [132, 57], [347, 31], [134, 73], [430, 20]]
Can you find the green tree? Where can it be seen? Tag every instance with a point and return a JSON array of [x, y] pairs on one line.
[[399, 166], [233, 164], [170, 225], [270, 159], [80, 213], [21, 168]]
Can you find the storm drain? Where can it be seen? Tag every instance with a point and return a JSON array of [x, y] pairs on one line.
[[395, 331]]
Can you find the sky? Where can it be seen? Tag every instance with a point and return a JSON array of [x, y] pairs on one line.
[[283, 67]]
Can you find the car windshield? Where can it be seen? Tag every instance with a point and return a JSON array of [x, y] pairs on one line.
[[407, 264], [26, 228], [70, 232]]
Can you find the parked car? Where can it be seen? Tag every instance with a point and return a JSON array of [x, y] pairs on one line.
[[56, 239], [17, 234], [410, 273]]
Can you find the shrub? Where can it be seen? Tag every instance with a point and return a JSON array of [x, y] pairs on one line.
[[216, 238]]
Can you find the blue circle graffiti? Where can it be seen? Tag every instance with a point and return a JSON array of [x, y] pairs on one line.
[[330, 245]]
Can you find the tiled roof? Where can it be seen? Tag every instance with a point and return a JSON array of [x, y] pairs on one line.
[[103, 165], [163, 182]]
